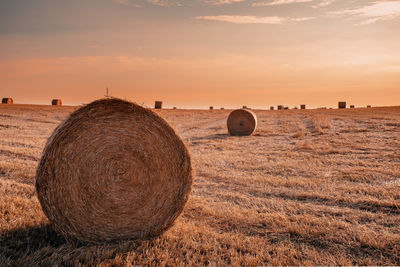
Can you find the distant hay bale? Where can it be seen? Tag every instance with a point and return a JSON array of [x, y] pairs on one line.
[[295, 108], [286, 108], [368, 106], [271, 108], [113, 170], [158, 105], [56, 102], [242, 122], [342, 104], [302, 106], [222, 108], [174, 108], [211, 107], [7, 100], [352, 106], [280, 107], [244, 107]]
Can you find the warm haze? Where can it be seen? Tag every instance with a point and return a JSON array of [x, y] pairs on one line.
[[197, 53], [308, 187]]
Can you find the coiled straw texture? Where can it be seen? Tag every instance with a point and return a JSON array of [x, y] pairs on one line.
[[113, 170]]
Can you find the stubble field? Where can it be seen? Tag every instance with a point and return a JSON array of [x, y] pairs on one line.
[[313, 187]]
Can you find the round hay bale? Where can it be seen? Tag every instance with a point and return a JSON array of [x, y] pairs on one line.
[[113, 170], [7, 100], [56, 102], [242, 122], [342, 104]]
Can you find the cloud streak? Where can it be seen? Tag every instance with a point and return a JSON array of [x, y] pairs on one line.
[[164, 3], [377, 11], [279, 2], [152, 2], [323, 3], [253, 19], [127, 3], [221, 2]]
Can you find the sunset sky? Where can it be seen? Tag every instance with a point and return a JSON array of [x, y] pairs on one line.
[[197, 53]]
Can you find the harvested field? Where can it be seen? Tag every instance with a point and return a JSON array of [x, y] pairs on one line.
[[309, 187]]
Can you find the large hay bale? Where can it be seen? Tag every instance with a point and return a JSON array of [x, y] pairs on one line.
[[7, 100], [158, 105], [302, 106], [242, 122], [56, 102], [271, 108], [280, 107], [113, 170], [211, 107]]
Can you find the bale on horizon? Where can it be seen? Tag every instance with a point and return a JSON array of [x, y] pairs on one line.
[[342, 104], [158, 105], [271, 108], [352, 106], [7, 100], [242, 122], [113, 170], [56, 102], [211, 107], [280, 107], [302, 106]]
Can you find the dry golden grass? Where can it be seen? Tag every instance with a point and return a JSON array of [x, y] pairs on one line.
[[310, 187]]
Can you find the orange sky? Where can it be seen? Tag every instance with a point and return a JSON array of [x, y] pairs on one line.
[[198, 53]]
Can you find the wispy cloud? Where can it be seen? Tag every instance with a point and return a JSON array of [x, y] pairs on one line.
[[253, 19], [221, 2], [318, 4], [280, 2], [153, 2], [323, 3], [164, 3], [126, 2], [376, 11]]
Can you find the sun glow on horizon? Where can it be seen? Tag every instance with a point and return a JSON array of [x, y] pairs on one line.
[[199, 53]]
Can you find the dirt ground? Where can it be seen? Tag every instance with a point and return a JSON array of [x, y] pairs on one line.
[[312, 187]]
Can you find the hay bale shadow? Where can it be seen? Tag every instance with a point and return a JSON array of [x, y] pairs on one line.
[[217, 136], [18, 243], [42, 246], [211, 137]]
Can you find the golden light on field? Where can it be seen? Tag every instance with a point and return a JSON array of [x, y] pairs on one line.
[[309, 187], [198, 53]]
